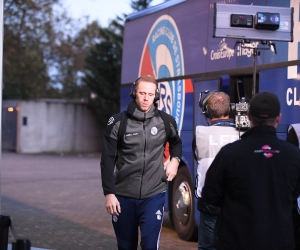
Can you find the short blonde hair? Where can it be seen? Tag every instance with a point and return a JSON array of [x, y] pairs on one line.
[[147, 78], [219, 104]]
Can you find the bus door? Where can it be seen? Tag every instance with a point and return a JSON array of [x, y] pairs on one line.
[[242, 86], [287, 89]]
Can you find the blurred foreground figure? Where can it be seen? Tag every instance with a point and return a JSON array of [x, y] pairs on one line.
[[254, 182]]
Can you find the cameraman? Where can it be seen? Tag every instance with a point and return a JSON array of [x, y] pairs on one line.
[[206, 144]]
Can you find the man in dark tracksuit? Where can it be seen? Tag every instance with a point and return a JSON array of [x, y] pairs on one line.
[[254, 182], [134, 185]]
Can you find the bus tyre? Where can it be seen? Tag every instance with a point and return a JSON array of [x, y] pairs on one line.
[[182, 209]]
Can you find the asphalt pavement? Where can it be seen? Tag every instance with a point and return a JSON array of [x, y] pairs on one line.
[[56, 201]]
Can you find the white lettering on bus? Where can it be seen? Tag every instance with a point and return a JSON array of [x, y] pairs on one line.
[[159, 32], [165, 31], [221, 54], [179, 101], [246, 51], [292, 97]]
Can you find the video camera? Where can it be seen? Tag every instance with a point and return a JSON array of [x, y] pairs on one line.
[[240, 111]]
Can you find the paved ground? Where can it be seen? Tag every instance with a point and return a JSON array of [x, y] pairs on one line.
[[56, 201]]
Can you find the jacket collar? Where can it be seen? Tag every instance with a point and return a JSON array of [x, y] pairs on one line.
[[135, 113], [223, 122], [259, 131]]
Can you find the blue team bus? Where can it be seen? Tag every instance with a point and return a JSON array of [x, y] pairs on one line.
[[175, 43]]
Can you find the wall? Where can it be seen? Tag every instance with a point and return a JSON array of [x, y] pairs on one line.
[[56, 126]]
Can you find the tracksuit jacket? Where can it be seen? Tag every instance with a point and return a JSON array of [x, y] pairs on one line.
[[254, 181], [139, 170]]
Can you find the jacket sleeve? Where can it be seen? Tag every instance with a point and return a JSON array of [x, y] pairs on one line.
[[212, 192], [107, 165], [175, 143], [292, 137]]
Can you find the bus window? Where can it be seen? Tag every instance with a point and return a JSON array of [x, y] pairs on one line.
[[241, 86]]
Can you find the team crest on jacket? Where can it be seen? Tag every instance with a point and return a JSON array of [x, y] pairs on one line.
[[162, 57], [154, 130], [110, 121]]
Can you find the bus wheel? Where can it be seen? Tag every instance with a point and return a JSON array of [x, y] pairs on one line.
[[182, 210]]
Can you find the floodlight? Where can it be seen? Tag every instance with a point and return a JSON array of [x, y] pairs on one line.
[[260, 23]]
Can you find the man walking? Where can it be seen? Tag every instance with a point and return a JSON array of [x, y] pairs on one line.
[[134, 178]]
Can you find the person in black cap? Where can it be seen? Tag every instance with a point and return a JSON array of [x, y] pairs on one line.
[[254, 182]]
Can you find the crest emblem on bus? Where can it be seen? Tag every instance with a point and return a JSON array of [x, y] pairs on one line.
[[162, 57]]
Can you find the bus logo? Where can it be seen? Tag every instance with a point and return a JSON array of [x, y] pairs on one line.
[[162, 57], [223, 52]]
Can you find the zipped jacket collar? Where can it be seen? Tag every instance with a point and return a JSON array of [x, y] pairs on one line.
[[140, 115], [259, 131]]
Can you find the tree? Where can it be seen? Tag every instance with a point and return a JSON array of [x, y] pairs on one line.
[[24, 71], [27, 28], [70, 55], [103, 72], [44, 52], [139, 5], [103, 68]]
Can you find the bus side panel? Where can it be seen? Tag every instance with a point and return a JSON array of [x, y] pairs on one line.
[[186, 133], [190, 18], [125, 97], [188, 112], [288, 92], [227, 53], [202, 52], [135, 34]]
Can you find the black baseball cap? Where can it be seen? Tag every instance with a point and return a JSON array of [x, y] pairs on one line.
[[264, 105]]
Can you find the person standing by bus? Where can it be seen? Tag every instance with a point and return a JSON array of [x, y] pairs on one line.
[[207, 143], [254, 182], [135, 183], [293, 137]]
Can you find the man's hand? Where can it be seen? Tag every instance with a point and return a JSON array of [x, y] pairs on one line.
[[171, 169], [112, 204]]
